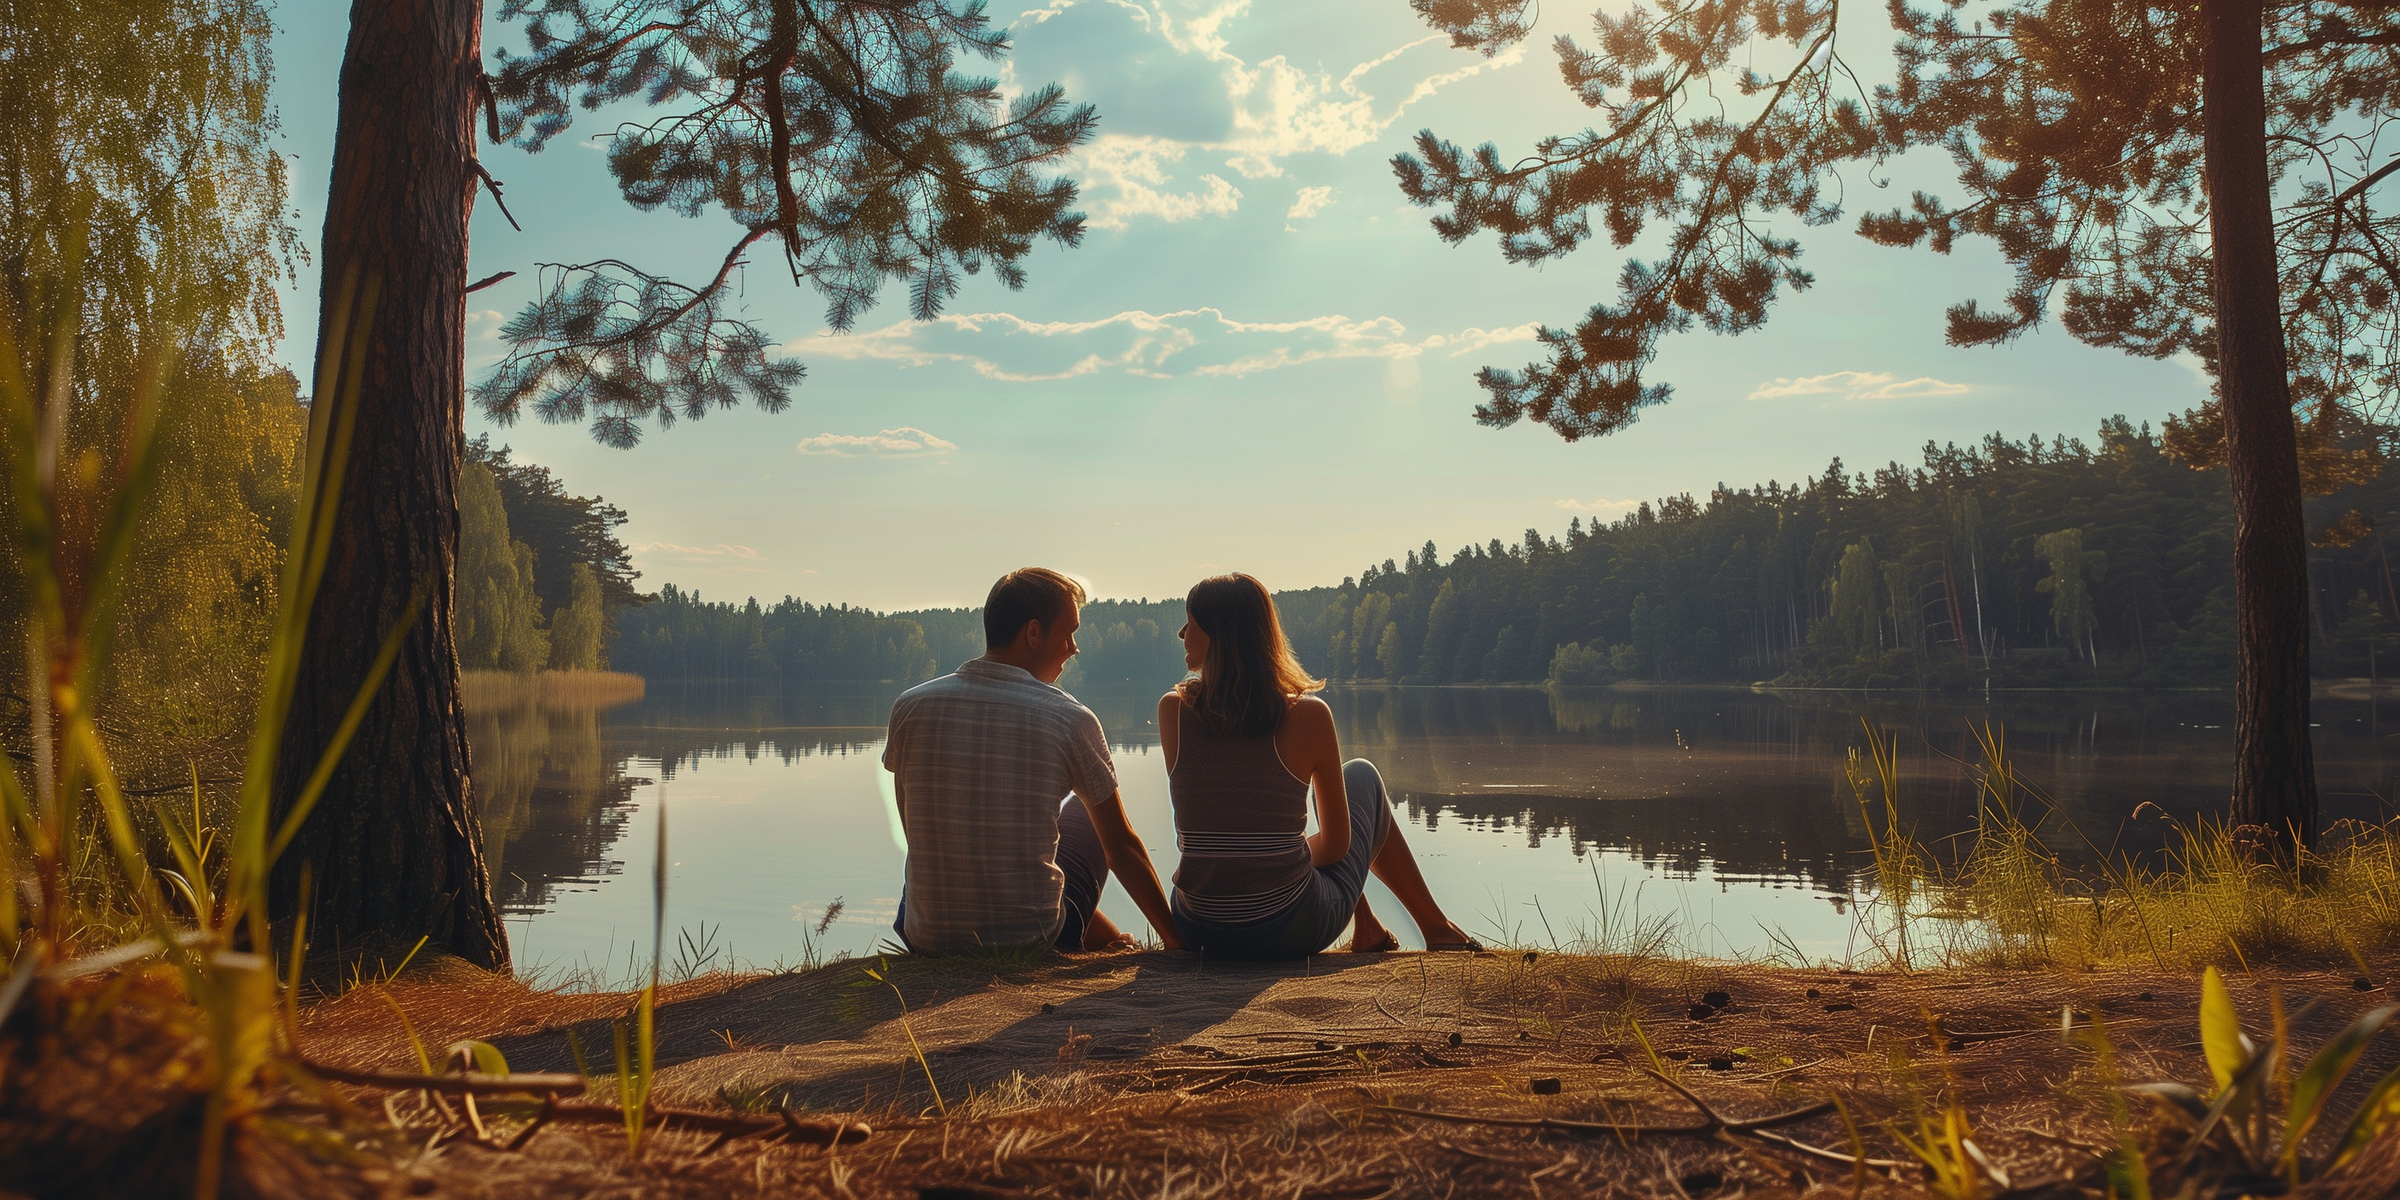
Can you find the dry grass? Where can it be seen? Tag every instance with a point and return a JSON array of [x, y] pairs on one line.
[[1323, 1112], [2005, 896], [492, 691], [1262, 1104]]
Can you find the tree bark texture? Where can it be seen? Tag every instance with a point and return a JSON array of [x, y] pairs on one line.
[[2275, 782], [393, 848]]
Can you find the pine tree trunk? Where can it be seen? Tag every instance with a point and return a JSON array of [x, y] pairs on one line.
[[2275, 785], [394, 849]]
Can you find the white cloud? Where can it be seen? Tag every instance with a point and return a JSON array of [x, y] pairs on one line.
[[1193, 342], [483, 337], [1310, 202], [904, 442], [1858, 385], [1601, 507], [1278, 109], [1131, 175]]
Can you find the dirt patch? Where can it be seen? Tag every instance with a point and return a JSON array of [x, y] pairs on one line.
[[1404, 1074]]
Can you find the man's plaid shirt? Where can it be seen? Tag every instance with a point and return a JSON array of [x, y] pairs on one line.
[[982, 759]]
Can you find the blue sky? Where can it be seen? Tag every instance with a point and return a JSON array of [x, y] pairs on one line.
[[1261, 358]]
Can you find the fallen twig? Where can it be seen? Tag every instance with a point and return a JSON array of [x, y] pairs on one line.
[[1822, 1154], [466, 1083], [782, 1125], [1704, 1128]]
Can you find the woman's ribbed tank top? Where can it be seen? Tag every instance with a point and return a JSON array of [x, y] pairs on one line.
[[1241, 821]]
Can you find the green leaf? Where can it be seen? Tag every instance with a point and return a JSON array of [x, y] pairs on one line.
[[2324, 1073], [2235, 1102], [2221, 1030], [2382, 1107]]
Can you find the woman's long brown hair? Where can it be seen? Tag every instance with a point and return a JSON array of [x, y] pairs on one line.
[[1249, 675]]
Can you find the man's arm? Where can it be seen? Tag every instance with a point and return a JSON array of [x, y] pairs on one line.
[[1129, 861]]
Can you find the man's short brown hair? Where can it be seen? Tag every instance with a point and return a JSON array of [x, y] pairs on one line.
[[1027, 594]]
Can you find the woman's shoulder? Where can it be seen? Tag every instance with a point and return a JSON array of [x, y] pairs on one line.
[[1309, 709]]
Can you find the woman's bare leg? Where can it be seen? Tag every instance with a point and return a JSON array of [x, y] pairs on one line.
[[1396, 865], [1368, 935]]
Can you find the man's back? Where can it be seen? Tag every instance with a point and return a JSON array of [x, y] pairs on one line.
[[983, 757]]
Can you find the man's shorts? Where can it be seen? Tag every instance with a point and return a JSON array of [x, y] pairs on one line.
[[1080, 859]]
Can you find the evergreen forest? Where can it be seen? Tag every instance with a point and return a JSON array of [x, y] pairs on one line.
[[2037, 563]]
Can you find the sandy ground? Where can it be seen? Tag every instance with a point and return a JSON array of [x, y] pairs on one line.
[[1285, 1077]]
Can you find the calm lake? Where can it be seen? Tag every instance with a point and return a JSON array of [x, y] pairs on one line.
[[1541, 816]]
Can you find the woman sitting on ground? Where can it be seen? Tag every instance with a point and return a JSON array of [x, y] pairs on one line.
[[1244, 744]]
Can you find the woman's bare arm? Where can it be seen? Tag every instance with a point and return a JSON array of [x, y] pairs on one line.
[[1170, 727], [1315, 752]]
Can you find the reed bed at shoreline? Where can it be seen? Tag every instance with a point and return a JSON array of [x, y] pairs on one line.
[[492, 691], [2003, 896]]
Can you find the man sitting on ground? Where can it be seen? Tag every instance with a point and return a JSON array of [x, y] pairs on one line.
[[982, 758]]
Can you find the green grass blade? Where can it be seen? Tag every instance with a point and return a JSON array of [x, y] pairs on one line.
[[332, 421], [351, 720], [2323, 1074], [15, 820], [629, 1104], [583, 1066], [415, 1043], [2233, 1101], [84, 739], [658, 891]]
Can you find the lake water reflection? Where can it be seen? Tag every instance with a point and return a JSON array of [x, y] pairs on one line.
[[1540, 815]]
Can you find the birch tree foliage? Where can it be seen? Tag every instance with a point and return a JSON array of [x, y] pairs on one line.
[[846, 136]]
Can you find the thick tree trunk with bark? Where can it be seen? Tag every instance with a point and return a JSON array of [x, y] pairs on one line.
[[2275, 778], [393, 849]]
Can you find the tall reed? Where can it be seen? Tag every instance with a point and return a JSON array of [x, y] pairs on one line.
[[2007, 898], [96, 904]]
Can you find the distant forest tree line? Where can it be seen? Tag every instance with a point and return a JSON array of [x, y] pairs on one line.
[[2028, 563], [165, 136]]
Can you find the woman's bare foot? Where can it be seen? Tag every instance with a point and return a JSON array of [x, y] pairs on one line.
[[1448, 936], [1368, 935], [1382, 941]]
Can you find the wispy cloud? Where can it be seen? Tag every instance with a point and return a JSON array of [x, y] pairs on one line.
[[1277, 108], [1192, 342], [1310, 202], [904, 442], [1858, 385], [1131, 172], [1600, 507], [483, 336]]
